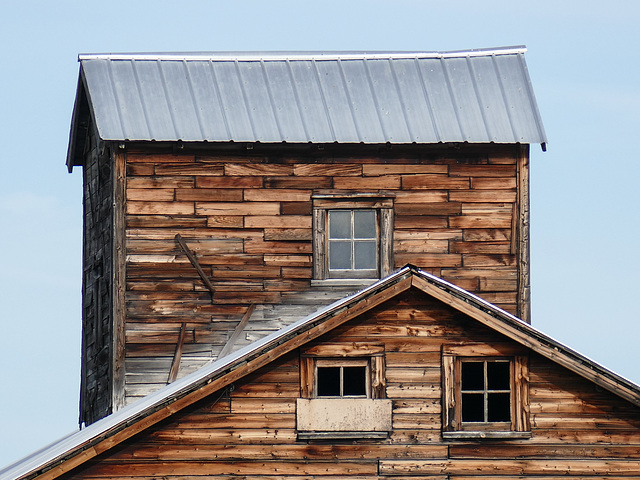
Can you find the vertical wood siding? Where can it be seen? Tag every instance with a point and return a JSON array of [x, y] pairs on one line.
[[97, 286]]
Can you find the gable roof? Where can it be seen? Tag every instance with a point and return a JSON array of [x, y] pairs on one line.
[[475, 96], [78, 447]]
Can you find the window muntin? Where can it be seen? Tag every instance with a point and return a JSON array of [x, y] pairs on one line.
[[485, 391], [353, 243]]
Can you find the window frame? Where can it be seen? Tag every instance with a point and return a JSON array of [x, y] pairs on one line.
[[339, 354], [452, 358], [383, 207]]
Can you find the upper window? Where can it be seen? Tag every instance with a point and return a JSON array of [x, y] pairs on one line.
[[485, 392], [352, 237], [353, 244]]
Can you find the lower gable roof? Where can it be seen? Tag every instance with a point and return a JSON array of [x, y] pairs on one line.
[[73, 450]]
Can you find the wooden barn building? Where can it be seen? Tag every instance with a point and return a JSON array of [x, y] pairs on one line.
[[306, 265]]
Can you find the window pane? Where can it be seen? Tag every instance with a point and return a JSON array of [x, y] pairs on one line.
[[328, 381], [365, 255], [355, 381], [499, 407], [472, 375], [364, 224], [340, 255], [498, 375], [339, 224], [472, 407]]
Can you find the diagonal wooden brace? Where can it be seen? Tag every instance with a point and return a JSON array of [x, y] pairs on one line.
[[194, 261]]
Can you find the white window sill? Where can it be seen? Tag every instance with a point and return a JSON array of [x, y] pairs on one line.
[[356, 416]]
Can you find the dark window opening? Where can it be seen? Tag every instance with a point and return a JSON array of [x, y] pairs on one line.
[[486, 391], [341, 381]]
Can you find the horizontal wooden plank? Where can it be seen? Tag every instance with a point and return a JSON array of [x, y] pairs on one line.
[[280, 221], [318, 451], [327, 170], [209, 195], [295, 208], [420, 246], [151, 194], [481, 221], [487, 196], [434, 182], [277, 195], [160, 208], [433, 234], [225, 221], [498, 183], [415, 222], [480, 247], [288, 260], [168, 221], [367, 183], [284, 248], [229, 182], [287, 234], [587, 466], [428, 260], [421, 196], [143, 169], [486, 234], [466, 170], [440, 208], [237, 208], [257, 169], [160, 182], [273, 467], [393, 169], [298, 182], [189, 169]]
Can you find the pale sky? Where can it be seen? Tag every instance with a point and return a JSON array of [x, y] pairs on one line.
[[584, 63]]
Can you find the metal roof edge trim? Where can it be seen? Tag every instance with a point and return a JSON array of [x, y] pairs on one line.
[[318, 56]]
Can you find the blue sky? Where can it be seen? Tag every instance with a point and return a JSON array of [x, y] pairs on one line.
[[584, 63]]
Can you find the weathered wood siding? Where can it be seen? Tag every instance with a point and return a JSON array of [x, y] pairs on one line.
[[248, 220], [249, 431], [97, 285]]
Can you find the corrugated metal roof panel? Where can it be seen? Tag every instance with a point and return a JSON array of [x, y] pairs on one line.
[[400, 98]]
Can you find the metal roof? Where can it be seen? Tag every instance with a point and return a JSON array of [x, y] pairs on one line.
[[517, 330], [475, 96]]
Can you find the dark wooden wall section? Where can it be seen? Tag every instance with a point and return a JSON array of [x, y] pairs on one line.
[[248, 219], [97, 286], [577, 429]]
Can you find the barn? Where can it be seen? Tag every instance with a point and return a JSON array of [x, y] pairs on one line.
[[316, 265]]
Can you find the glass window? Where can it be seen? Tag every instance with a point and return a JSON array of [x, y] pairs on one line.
[[353, 243], [486, 391]]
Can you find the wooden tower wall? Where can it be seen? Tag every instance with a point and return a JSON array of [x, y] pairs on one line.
[[460, 212]]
